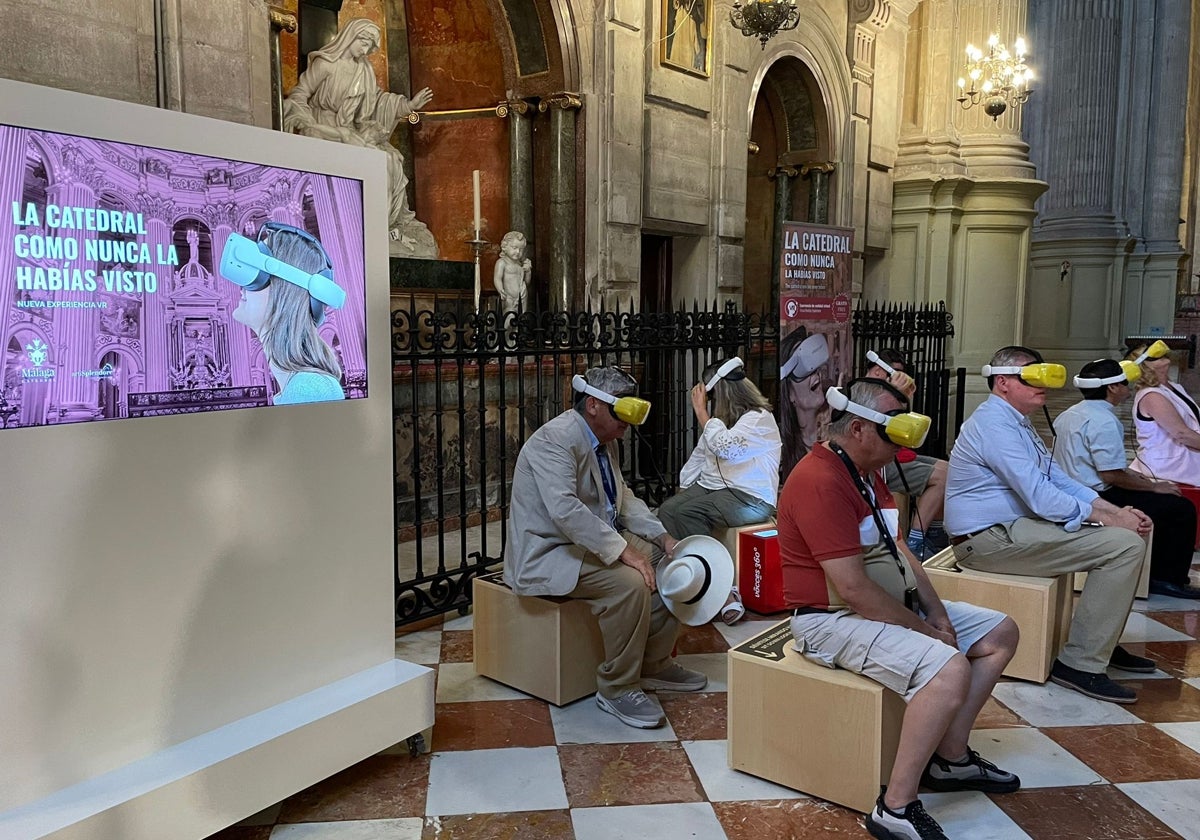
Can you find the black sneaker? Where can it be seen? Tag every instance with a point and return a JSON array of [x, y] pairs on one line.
[[1097, 686], [973, 773], [913, 824], [1131, 662]]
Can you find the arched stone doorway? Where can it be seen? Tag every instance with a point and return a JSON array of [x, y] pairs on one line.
[[789, 138]]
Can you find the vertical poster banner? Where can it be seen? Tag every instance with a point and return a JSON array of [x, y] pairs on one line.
[[815, 274]]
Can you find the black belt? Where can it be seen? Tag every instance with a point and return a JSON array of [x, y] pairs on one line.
[[965, 537], [809, 611]]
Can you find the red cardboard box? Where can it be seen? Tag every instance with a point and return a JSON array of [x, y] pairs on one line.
[[760, 577], [1192, 494]]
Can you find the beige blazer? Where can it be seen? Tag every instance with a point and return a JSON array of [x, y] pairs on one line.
[[556, 515]]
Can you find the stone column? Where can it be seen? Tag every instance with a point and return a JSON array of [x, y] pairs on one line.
[[563, 240], [520, 170], [156, 356], [782, 176], [818, 195]]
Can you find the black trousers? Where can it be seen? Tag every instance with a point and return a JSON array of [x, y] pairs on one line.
[[1174, 530]]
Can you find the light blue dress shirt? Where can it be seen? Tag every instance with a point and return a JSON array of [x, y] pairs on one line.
[[1001, 471], [1091, 439]]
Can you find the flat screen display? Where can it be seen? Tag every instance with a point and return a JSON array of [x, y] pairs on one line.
[[138, 281]]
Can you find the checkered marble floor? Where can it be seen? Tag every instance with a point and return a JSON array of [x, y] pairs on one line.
[[504, 765]]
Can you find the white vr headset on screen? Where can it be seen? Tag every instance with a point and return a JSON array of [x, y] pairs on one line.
[[251, 265]]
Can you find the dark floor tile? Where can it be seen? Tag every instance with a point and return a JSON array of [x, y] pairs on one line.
[[1095, 812], [995, 715], [788, 819], [696, 717], [1165, 701], [1179, 659], [243, 832], [527, 825], [382, 787], [458, 646], [1184, 622], [628, 774], [492, 724], [703, 639], [1134, 753]]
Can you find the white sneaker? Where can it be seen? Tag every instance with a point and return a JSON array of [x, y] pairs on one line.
[[633, 708], [913, 824]]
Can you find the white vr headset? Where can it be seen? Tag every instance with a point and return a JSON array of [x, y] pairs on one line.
[[251, 265], [874, 359], [1130, 373], [631, 410], [724, 370]]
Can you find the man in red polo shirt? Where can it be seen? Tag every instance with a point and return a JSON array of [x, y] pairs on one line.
[[862, 603]]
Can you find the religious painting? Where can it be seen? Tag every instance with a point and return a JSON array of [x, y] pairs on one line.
[[685, 43]]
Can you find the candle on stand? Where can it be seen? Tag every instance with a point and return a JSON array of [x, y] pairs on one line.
[[475, 184], [475, 247]]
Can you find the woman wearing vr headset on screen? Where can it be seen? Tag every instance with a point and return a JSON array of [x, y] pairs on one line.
[[287, 282], [1167, 420], [732, 476]]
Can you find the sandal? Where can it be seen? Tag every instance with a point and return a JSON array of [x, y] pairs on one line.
[[734, 610]]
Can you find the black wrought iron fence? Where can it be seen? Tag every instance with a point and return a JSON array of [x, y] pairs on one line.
[[470, 388], [919, 331]]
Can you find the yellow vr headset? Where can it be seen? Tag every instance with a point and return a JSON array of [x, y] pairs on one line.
[[1155, 351], [1038, 375], [905, 428], [631, 410], [1129, 374]]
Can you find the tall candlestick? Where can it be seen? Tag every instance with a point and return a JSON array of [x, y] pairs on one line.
[[475, 184]]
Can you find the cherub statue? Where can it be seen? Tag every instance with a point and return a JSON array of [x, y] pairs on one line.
[[512, 273], [338, 98]]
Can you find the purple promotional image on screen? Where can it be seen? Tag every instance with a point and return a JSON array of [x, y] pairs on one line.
[[137, 281]]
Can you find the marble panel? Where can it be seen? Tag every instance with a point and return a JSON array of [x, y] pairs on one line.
[[1140, 627], [702, 716], [406, 829], [458, 646], [1187, 733], [1180, 659], [1046, 814], [790, 818], [721, 784], [457, 682], [628, 774], [492, 724], [1165, 701], [243, 832], [1187, 622], [527, 825], [1053, 705], [971, 815], [687, 821], [583, 722], [1177, 804], [495, 781], [379, 788], [1140, 753], [995, 715], [703, 639], [423, 647], [1038, 760]]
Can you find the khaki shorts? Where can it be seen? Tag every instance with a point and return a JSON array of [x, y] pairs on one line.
[[894, 656]]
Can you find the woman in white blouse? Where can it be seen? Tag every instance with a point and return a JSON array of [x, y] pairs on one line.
[[732, 476]]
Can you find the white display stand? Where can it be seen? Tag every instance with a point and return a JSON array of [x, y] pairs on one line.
[[196, 612]]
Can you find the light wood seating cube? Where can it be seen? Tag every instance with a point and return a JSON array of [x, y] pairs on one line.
[[728, 537], [823, 731], [1042, 608], [547, 647], [1143, 587]]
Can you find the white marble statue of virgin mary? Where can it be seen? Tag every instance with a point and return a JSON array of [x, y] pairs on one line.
[[337, 98]]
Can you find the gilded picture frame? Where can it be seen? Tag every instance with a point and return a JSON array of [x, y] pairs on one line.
[[686, 40]]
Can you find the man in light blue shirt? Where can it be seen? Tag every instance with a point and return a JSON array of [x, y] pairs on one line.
[[1011, 510], [1092, 442]]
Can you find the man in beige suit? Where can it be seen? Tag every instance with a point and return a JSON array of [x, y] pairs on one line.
[[575, 529]]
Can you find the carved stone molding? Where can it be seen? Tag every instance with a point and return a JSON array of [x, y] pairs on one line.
[[783, 172], [565, 100], [282, 19], [875, 13], [817, 166], [156, 207]]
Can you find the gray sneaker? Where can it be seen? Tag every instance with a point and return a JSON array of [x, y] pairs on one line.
[[675, 678], [633, 708]]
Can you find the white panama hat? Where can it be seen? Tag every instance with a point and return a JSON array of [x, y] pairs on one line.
[[696, 581]]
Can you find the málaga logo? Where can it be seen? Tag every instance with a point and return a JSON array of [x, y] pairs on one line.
[[37, 352]]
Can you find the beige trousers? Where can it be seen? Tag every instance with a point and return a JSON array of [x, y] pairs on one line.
[[1111, 556], [638, 630]]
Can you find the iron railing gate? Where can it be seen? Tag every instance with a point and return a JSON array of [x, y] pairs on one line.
[[469, 388]]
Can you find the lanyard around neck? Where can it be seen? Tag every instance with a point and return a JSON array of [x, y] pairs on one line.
[[873, 504]]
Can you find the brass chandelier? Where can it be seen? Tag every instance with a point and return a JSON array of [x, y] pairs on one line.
[[764, 18], [996, 79]]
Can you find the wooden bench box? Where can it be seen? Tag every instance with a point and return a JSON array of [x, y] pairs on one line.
[[547, 647], [823, 731]]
